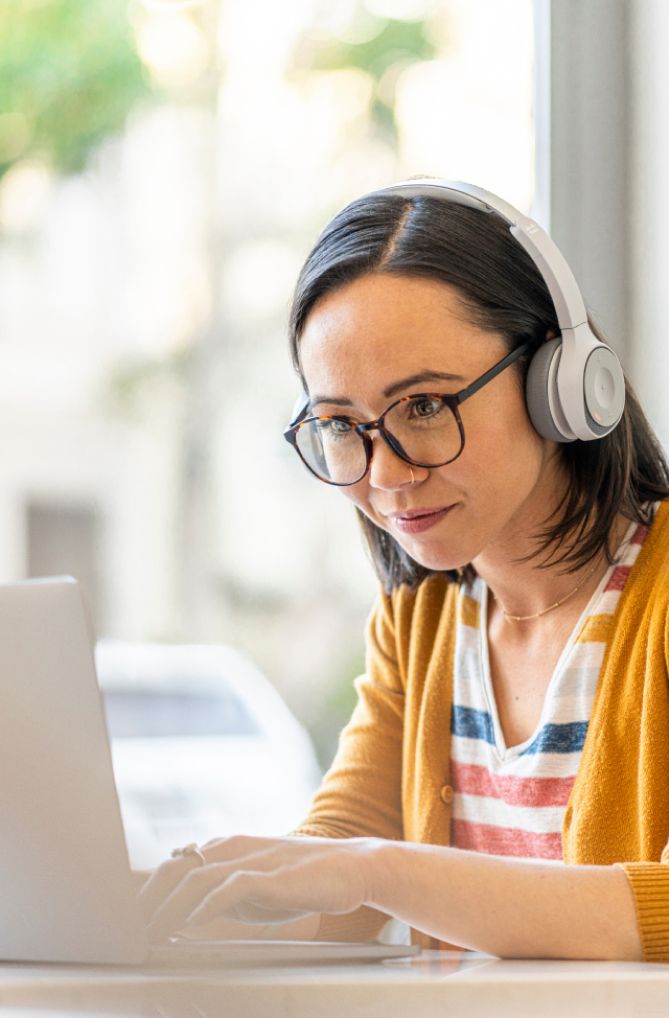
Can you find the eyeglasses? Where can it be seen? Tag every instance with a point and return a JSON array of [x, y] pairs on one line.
[[424, 429]]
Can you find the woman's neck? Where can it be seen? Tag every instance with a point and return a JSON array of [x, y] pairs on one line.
[[523, 588]]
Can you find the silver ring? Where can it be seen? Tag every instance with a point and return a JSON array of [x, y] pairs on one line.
[[191, 849]]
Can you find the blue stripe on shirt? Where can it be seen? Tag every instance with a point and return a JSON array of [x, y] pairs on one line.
[[565, 738], [469, 723], [472, 724]]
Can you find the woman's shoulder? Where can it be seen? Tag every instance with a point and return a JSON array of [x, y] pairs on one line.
[[651, 570], [645, 597]]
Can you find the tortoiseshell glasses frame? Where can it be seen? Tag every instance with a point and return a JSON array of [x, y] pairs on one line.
[[362, 428]]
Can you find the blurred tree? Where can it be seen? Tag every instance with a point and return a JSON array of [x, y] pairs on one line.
[[69, 75], [387, 46]]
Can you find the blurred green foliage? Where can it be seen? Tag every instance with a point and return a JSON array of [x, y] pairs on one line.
[[69, 75], [386, 49]]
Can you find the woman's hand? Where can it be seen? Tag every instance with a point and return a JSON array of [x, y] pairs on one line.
[[268, 881]]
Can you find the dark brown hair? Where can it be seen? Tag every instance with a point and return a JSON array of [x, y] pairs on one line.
[[503, 291]]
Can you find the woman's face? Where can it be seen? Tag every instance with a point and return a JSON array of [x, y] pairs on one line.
[[382, 337]]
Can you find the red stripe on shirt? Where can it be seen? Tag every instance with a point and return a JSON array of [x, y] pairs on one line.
[[473, 779], [505, 840], [618, 578], [639, 534]]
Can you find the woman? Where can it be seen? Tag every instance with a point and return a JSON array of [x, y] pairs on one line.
[[502, 784]]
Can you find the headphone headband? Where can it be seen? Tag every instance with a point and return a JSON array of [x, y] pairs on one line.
[[562, 286]]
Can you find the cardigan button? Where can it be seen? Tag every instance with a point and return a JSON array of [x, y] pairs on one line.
[[447, 794]]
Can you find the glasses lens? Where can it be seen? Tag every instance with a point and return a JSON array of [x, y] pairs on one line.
[[426, 428], [333, 450]]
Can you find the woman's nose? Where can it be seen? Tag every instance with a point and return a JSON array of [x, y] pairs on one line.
[[387, 471]]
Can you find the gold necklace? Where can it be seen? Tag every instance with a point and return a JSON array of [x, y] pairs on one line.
[[525, 618]]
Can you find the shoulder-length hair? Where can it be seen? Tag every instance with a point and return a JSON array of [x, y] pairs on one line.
[[503, 291]]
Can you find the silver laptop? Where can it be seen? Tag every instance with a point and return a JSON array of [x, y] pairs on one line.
[[66, 886]]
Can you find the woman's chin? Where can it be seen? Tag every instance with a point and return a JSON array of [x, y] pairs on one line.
[[436, 560]]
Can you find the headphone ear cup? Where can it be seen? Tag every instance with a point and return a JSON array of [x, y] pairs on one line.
[[541, 392]]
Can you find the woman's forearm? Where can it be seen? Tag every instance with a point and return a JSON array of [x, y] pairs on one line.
[[508, 907]]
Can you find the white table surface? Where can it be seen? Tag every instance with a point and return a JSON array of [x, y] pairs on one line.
[[434, 984]]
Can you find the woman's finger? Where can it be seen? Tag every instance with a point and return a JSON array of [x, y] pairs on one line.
[[254, 897], [186, 895], [175, 894], [172, 909], [162, 883]]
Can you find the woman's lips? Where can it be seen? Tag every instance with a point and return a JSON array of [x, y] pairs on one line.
[[415, 521]]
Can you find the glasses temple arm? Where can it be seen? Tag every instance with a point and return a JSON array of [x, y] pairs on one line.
[[495, 370]]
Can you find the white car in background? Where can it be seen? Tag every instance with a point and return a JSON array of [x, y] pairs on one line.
[[203, 746]]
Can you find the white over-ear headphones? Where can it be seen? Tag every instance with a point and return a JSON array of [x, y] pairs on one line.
[[575, 384]]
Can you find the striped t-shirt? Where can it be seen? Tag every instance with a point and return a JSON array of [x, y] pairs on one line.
[[511, 800]]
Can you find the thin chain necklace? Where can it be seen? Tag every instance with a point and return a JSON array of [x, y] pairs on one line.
[[525, 618]]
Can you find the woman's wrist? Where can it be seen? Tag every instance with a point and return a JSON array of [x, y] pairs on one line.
[[381, 867]]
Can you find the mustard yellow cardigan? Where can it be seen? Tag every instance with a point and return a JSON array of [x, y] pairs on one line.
[[391, 775]]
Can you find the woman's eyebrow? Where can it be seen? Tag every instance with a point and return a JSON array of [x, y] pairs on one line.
[[395, 388], [422, 376]]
